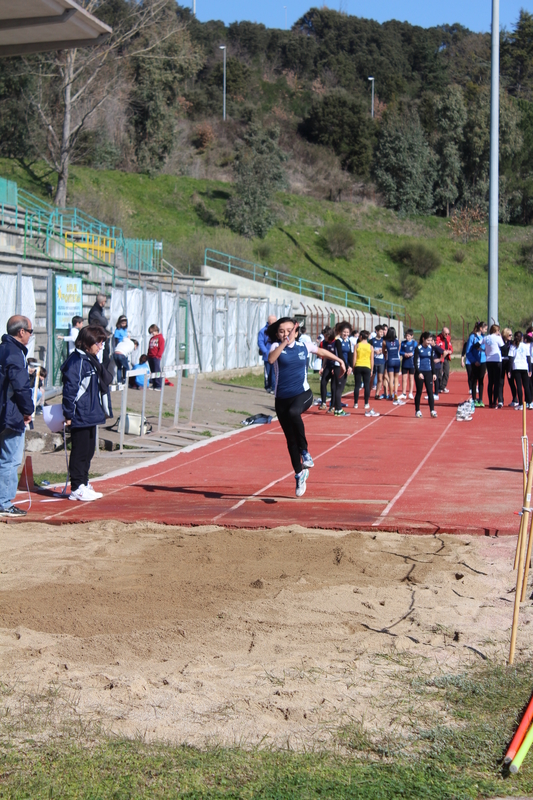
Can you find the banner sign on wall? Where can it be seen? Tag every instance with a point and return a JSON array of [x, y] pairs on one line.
[[68, 301]]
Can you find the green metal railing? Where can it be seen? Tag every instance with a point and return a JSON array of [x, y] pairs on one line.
[[71, 225], [292, 283]]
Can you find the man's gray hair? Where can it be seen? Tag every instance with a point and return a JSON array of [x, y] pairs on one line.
[[16, 324], [100, 296]]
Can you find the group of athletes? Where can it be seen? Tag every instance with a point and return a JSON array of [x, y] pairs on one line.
[[341, 353]]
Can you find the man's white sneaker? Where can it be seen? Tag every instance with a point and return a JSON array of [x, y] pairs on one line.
[[418, 414], [85, 494], [411, 396], [433, 413], [371, 413], [367, 406]]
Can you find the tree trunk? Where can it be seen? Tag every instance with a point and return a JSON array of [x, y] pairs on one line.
[[65, 151]]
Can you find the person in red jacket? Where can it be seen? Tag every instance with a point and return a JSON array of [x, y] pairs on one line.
[[444, 341], [156, 348]]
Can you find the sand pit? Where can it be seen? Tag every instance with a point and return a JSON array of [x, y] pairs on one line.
[[208, 635]]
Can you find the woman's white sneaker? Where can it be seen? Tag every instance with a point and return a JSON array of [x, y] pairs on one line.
[[85, 494]]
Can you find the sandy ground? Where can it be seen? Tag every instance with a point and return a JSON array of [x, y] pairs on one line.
[[208, 635]]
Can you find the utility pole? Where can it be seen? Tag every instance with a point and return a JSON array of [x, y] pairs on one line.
[[223, 47], [194, 8], [372, 79], [494, 166]]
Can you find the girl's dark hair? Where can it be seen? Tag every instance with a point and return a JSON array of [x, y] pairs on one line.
[[391, 335], [340, 326], [364, 335], [478, 326], [91, 334], [122, 319], [143, 359], [517, 338], [424, 335], [329, 334], [272, 330], [409, 330]]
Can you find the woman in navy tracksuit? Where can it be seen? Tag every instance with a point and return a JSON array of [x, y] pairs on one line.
[[424, 372], [391, 351], [293, 395], [326, 370], [85, 380], [344, 351]]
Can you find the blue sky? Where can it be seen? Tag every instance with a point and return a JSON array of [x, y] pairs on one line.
[[473, 14]]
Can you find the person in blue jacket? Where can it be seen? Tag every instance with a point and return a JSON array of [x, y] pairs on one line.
[[424, 372], [476, 357], [16, 409], [391, 351], [407, 349], [85, 382], [264, 344]]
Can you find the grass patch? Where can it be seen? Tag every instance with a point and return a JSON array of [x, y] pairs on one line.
[[455, 729], [235, 411], [58, 477]]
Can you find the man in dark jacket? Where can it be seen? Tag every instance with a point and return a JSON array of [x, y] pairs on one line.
[[97, 317], [16, 409], [264, 344]]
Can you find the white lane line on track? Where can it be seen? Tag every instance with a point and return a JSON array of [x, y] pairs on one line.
[[288, 474], [409, 480]]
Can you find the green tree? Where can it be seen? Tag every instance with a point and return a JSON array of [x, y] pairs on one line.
[[404, 166], [517, 57], [450, 119], [258, 172], [343, 123]]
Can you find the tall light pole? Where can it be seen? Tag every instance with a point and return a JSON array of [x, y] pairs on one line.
[[494, 165], [372, 79], [223, 47], [194, 8]]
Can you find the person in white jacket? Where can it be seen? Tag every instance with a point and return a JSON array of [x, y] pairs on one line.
[[121, 355]]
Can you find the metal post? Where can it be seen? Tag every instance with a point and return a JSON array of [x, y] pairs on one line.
[[160, 418], [145, 322], [18, 301], [123, 412], [494, 166], [248, 332], [160, 306], [50, 328], [226, 331], [223, 47], [146, 378], [193, 394], [214, 324], [201, 331], [178, 396], [177, 328], [125, 301], [237, 313]]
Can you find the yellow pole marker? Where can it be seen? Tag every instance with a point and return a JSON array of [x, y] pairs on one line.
[[516, 763], [524, 528], [525, 467]]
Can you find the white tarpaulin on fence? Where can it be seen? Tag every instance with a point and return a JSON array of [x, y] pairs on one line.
[[144, 308], [8, 306], [223, 330]]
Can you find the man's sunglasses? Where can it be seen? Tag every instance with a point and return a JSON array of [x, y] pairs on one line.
[[30, 330]]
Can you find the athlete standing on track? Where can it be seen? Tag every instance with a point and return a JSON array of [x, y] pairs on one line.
[[424, 372], [293, 395]]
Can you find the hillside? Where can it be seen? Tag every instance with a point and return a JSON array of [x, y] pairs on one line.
[[188, 214]]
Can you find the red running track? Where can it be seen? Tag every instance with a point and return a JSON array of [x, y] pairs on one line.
[[393, 472]]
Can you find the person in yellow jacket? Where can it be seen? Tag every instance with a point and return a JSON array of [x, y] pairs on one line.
[[363, 366]]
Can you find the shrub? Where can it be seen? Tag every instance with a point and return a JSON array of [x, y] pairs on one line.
[[409, 285], [204, 136], [526, 256], [263, 251], [468, 224], [459, 256], [417, 258], [338, 240]]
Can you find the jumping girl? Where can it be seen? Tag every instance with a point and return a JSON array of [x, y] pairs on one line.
[[424, 372], [293, 395]]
